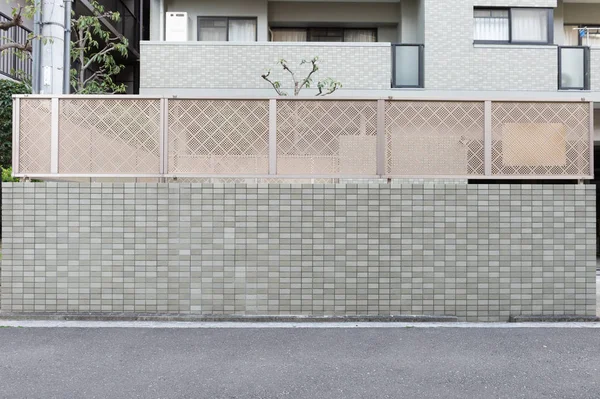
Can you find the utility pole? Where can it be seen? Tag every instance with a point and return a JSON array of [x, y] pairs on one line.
[[52, 51]]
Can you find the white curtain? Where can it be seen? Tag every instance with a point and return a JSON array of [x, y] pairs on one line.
[[592, 38], [213, 35], [571, 35], [491, 29], [242, 30], [212, 29], [360, 35], [529, 25], [289, 35]]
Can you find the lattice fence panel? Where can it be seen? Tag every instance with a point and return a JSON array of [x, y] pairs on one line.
[[219, 136], [540, 138], [434, 138], [34, 135], [107, 136], [326, 138]]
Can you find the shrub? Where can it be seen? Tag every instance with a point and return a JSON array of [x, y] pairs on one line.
[[7, 89]]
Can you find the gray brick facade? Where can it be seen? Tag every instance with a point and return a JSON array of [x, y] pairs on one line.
[[196, 65], [481, 252], [453, 62]]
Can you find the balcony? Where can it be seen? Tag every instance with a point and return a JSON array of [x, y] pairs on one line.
[[13, 65]]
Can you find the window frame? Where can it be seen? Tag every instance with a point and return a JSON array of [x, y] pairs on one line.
[[550, 30], [586, 69], [421, 83], [343, 30], [227, 19]]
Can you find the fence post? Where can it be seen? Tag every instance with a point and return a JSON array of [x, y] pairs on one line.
[[162, 136], [15, 134], [54, 135], [381, 142], [272, 136], [591, 142], [487, 138]]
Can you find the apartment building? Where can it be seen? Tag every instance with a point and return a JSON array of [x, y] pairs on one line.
[[377, 47]]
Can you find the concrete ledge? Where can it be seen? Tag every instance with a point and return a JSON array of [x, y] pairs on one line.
[[552, 318], [225, 318]]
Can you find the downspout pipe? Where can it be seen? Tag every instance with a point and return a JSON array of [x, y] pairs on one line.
[[36, 56], [67, 54]]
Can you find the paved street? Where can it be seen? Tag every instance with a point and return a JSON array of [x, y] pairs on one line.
[[300, 363]]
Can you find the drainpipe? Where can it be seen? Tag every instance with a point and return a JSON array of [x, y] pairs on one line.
[[67, 55], [35, 49]]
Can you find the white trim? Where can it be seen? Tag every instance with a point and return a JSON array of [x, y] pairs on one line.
[[487, 138], [343, 177], [54, 136], [525, 97], [299, 44], [16, 134], [516, 46], [273, 137]]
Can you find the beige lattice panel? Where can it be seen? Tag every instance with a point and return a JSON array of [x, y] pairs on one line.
[[107, 136], [326, 138], [34, 135], [219, 136], [540, 139], [426, 138]]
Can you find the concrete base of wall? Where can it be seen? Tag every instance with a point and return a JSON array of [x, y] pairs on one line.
[[477, 252]]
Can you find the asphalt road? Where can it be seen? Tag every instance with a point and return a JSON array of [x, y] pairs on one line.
[[300, 363]]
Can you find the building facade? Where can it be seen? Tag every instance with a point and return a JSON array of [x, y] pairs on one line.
[[382, 48]]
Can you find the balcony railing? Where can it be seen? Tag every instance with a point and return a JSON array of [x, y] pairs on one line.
[[574, 68], [301, 138], [408, 66], [12, 64]]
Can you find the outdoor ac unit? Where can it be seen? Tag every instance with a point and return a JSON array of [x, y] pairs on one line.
[[176, 27]]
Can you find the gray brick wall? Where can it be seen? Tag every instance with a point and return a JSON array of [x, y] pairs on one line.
[[480, 252], [453, 62], [227, 66], [594, 70]]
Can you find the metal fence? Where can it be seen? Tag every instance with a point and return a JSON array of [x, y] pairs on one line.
[[148, 138], [13, 64]]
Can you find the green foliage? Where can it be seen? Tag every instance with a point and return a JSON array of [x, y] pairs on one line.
[[7, 175], [326, 86], [7, 89], [93, 51]]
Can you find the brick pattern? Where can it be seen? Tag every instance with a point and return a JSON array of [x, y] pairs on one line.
[[481, 252], [213, 66], [594, 75], [453, 63]]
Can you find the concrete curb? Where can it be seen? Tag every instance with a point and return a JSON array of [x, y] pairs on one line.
[[552, 319], [218, 318]]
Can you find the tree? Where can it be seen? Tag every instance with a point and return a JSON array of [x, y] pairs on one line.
[[19, 12], [7, 89], [92, 53], [325, 86]]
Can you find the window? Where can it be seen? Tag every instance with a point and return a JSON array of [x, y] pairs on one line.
[[407, 65], [513, 25], [223, 29], [323, 35], [582, 35]]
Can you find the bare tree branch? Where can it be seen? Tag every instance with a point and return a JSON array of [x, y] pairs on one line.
[[315, 68], [19, 46], [16, 20], [274, 84]]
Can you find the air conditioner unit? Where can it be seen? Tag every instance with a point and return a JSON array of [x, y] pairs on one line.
[[176, 27]]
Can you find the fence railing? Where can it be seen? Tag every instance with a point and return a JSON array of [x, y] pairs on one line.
[[12, 64], [143, 137]]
